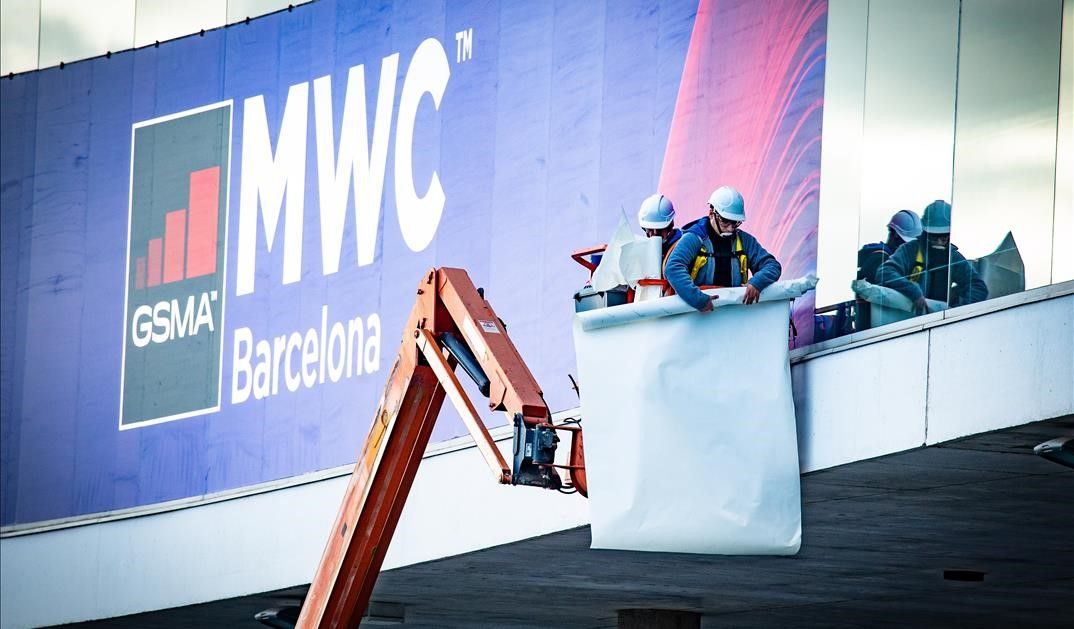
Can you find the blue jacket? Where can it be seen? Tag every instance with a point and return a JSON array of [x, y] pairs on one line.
[[762, 265], [967, 287]]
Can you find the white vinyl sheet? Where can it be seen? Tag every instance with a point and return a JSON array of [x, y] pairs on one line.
[[674, 305], [690, 432], [627, 259]]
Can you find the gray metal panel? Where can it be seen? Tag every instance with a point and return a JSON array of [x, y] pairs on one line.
[[1005, 129], [909, 109], [1063, 232], [841, 150]]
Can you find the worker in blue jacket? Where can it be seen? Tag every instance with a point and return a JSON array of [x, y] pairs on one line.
[[904, 226], [713, 251], [931, 267]]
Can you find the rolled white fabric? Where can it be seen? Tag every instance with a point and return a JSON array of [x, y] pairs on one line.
[[674, 305], [889, 297]]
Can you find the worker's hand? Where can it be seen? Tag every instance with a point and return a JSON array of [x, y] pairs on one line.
[[752, 294], [921, 306], [708, 307]]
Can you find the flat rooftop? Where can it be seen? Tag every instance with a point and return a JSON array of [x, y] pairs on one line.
[[975, 532]]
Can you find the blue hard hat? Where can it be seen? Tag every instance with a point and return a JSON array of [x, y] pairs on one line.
[[937, 217], [656, 212], [907, 224]]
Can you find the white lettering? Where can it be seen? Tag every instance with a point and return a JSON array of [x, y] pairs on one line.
[[358, 160], [244, 340], [310, 350], [278, 346], [335, 352], [182, 322], [261, 372], [419, 217], [372, 343], [205, 315], [354, 346], [265, 176], [142, 326], [324, 336], [273, 179], [304, 359], [292, 378], [161, 322], [167, 320]]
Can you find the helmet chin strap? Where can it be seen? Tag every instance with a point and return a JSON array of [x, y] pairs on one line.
[[716, 228]]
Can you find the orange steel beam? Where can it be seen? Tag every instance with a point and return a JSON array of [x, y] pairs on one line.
[[514, 389], [420, 379], [453, 388], [374, 500]]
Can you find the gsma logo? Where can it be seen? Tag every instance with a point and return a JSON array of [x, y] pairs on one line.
[[177, 239]]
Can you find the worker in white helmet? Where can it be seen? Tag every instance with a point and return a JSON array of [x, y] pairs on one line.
[[656, 216], [713, 251], [930, 267]]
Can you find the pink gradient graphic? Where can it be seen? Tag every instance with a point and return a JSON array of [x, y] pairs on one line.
[[749, 115], [155, 247], [174, 240]]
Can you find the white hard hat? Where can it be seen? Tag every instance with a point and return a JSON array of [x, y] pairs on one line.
[[656, 212], [728, 203]]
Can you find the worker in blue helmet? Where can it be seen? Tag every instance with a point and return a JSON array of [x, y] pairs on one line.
[[930, 267], [904, 226], [713, 251], [656, 216]]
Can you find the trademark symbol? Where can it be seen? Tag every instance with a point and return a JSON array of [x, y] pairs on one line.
[[464, 45]]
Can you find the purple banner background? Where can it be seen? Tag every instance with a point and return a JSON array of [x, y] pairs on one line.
[[559, 121]]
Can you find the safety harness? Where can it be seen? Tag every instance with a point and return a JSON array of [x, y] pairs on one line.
[[919, 266], [702, 258]]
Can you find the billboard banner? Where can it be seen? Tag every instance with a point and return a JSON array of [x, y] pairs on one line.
[[210, 245]]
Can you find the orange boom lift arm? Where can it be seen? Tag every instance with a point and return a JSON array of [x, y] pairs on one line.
[[451, 325]]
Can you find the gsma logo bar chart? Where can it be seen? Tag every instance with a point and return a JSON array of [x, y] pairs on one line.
[[188, 246], [174, 310]]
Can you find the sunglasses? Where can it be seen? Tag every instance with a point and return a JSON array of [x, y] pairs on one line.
[[715, 215]]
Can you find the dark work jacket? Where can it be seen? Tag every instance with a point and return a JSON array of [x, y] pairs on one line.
[[870, 257], [966, 286]]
